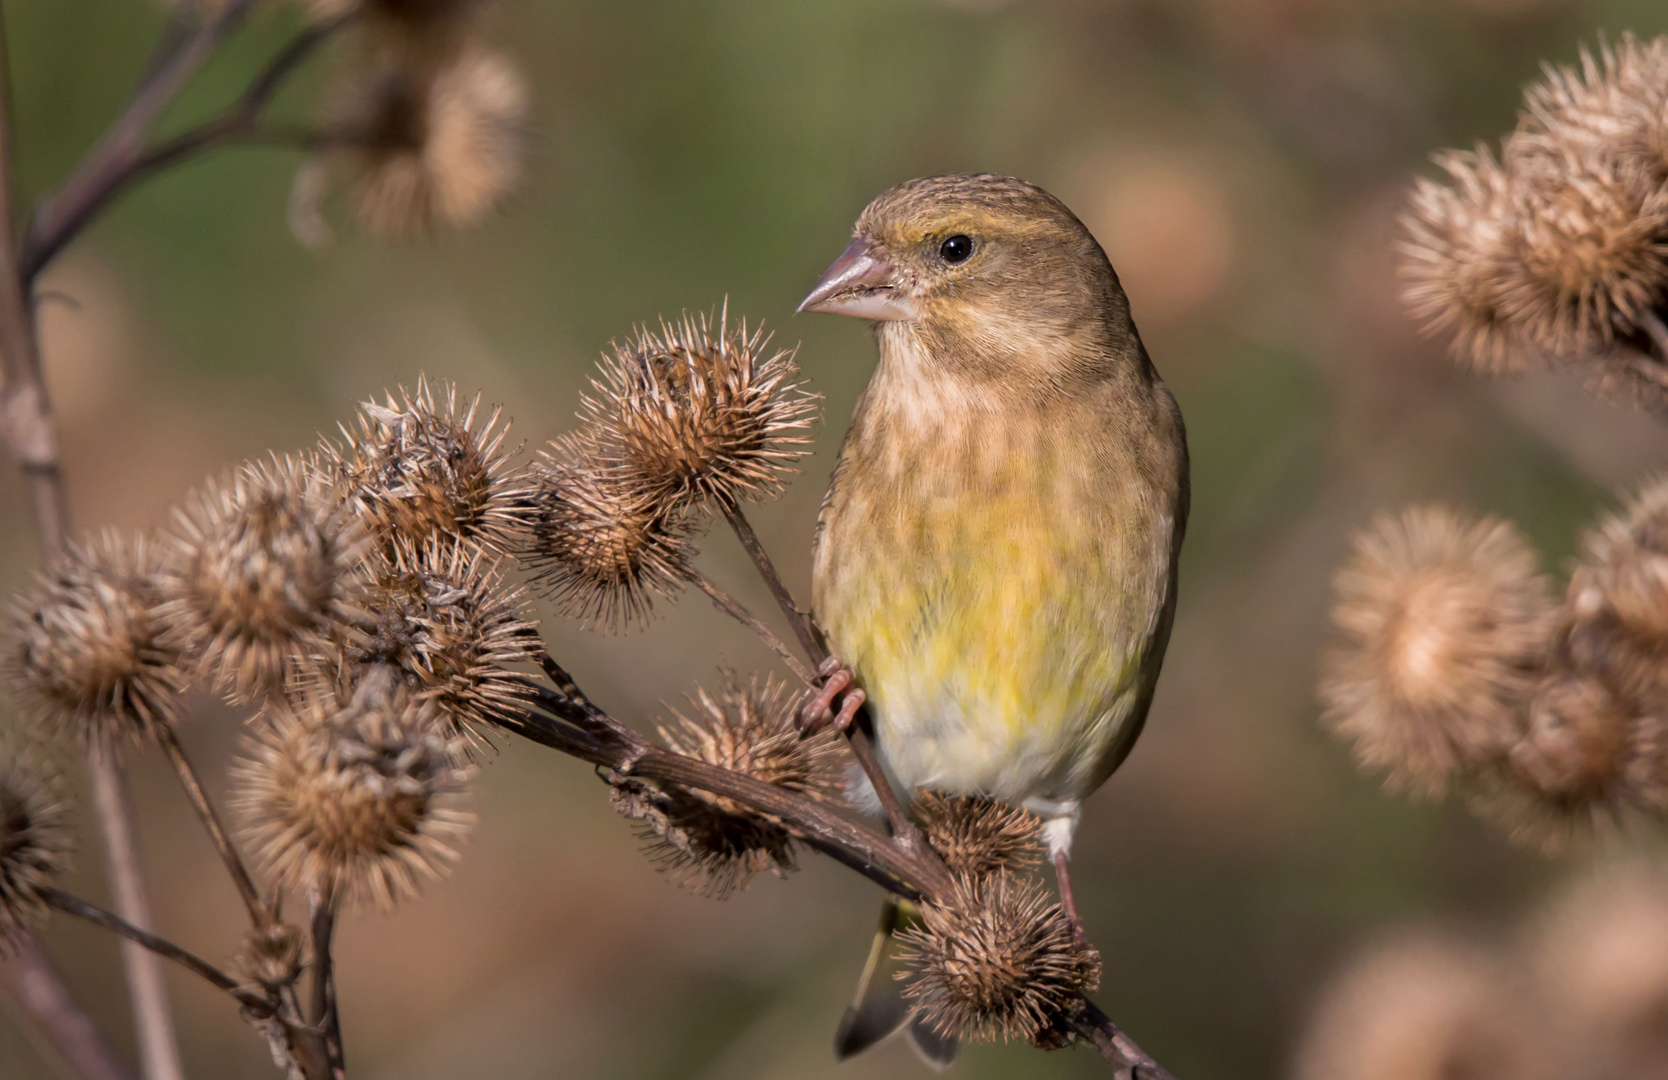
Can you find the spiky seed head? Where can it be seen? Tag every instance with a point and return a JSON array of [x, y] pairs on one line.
[[1618, 600], [258, 572], [710, 843], [601, 550], [272, 955], [424, 465], [1418, 1007], [997, 960], [411, 30], [977, 836], [1615, 99], [700, 411], [1587, 758], [436, 146], [36, 839], [1455, 241], [445, 619], [360, 800], [1443, 622], [87, 647], [1587, 247]]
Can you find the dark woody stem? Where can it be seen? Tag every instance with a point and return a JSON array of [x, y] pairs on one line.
[[577, 727], [258, 913], [860, 735], [71, 905], [732, 607], [325, 1015]]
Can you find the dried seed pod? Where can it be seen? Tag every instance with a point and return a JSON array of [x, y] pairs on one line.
[[600, 550], [1587, 247], [435, 146], [1422, 1008], [445, 618], [707, 842], [259, 573], [977, 836], [1455, 242], [699, 412], [1617, 611], [358, 800], [86, 646], [414, 30], [272, 956], [1616, 99], [1587, 757], [422, 466], [35, 841], [1444, 623], [997, 960]]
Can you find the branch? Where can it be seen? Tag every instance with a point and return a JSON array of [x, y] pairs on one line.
[[325, 1015], [732, 607], [43, 999], [258, 913], [121, 158], [72, 905]]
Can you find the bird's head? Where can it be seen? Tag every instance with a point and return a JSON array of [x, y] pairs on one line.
[[997, 265]]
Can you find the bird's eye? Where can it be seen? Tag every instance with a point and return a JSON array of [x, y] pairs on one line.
[[956, 249]]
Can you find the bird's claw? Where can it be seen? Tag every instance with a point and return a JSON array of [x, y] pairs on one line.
[[839, 684]]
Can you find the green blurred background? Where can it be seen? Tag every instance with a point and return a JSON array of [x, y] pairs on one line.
[[1241, 160]]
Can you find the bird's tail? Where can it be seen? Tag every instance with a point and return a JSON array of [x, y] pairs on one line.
[[879, 1009]]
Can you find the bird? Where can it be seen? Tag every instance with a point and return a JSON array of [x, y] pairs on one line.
[[995, 560]]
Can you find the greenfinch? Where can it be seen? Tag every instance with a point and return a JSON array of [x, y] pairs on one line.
[[995, 560]]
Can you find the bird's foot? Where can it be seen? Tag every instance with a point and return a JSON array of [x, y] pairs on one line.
[[1068, 900], [839, 684]]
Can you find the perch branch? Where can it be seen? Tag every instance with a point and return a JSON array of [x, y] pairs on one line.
[[326, 1016], [258, 913], [732, 607]]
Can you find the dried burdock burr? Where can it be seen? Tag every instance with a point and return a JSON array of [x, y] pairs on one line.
[[698, 411], [599, 548], [977, 836], [259, 571], [424, 466], [443, 617], [1617, 610], [1616, 99], [1443, 626], [1586, 247], [1455, 242], [997, 960], [432, 146], [710, 843], [86, 648], [272, 956], [36, 839], [1586, 757], [361, 800]]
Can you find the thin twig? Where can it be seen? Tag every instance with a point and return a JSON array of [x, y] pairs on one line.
[[72, 905], [732, 607], [767, 570], [325, 1015], [94, 186], [860, 734], [42, 999], [1128, 1060], [258, 913]]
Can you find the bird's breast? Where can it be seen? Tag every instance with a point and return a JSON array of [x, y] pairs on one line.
[[994, 580]]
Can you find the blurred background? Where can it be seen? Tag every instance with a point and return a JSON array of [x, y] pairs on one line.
[[1242, 162]]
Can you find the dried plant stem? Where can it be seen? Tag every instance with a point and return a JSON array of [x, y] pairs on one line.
[[580, 729], [1652, 322], [126, 160], [72, 905], [767, 570], [45, 1002], [325, 1015], [859, 734], [730, 606], [258, 913]]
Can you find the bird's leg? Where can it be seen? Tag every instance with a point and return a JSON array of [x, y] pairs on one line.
[[1062, 874], [818, 713], [1059, 827]]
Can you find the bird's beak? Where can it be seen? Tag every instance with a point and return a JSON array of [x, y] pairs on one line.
[[863, 284]]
